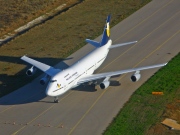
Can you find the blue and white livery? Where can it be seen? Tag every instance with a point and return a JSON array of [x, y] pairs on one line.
[[60, 81]]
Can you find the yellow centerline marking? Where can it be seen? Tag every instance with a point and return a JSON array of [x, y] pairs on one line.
[[151, 53], [20, 103], [40, 114], [100, 70], [7, 108], [87, 112], [118, 79], [157, 48], [144, 20]]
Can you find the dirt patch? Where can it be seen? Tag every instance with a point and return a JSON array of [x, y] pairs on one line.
[[172, 111]]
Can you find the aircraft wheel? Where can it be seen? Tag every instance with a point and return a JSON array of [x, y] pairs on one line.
[[56, 100], [93, 85]]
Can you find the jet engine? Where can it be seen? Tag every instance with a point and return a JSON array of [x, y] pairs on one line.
[[44, 80], [104, 84], [31, 71], [136, 76]]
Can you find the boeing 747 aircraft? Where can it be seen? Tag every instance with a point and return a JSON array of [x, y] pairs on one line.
[[60, 81]]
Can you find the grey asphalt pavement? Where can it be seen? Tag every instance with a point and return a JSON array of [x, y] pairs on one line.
[[88, 110]]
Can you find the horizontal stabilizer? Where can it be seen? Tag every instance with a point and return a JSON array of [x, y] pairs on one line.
[[94, 43], [123, 44]]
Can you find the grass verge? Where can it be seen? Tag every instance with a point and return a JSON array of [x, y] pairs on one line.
[[15, 13], [144, 110]]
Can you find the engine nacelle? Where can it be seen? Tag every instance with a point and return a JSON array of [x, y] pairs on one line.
[[44, 80], [31, 71], [135, 77], [104, 84]]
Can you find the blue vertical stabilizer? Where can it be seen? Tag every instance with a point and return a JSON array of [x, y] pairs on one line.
[[106, 32], [105, 36]]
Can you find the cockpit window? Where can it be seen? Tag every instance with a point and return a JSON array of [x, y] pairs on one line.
[[53, 81]]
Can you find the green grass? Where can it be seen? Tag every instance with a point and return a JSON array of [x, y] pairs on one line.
[[144, 110]]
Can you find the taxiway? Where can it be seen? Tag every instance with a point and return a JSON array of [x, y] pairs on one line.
[[87, 110]]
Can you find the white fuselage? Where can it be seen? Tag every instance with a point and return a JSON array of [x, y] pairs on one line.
[[68, 78]]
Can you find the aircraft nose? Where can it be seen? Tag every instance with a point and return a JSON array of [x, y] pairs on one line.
[[48, 92]]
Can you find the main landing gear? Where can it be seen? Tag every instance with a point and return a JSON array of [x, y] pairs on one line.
[[93, 84], [56, 100]]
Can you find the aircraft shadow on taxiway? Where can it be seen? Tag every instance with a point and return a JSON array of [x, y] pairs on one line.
[[24, 96], [21, 96], [85, 88], [92, 88]]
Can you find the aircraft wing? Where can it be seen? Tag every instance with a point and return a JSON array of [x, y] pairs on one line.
[[110, 74], [43, 67]]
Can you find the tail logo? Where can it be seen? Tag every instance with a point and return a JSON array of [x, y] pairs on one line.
[[107, 29]]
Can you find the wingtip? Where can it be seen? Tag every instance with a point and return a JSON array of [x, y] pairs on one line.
[[23, 57], [133, 42], [164, 64]]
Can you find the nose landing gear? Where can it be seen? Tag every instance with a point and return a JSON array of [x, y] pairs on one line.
[[56, 100]]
